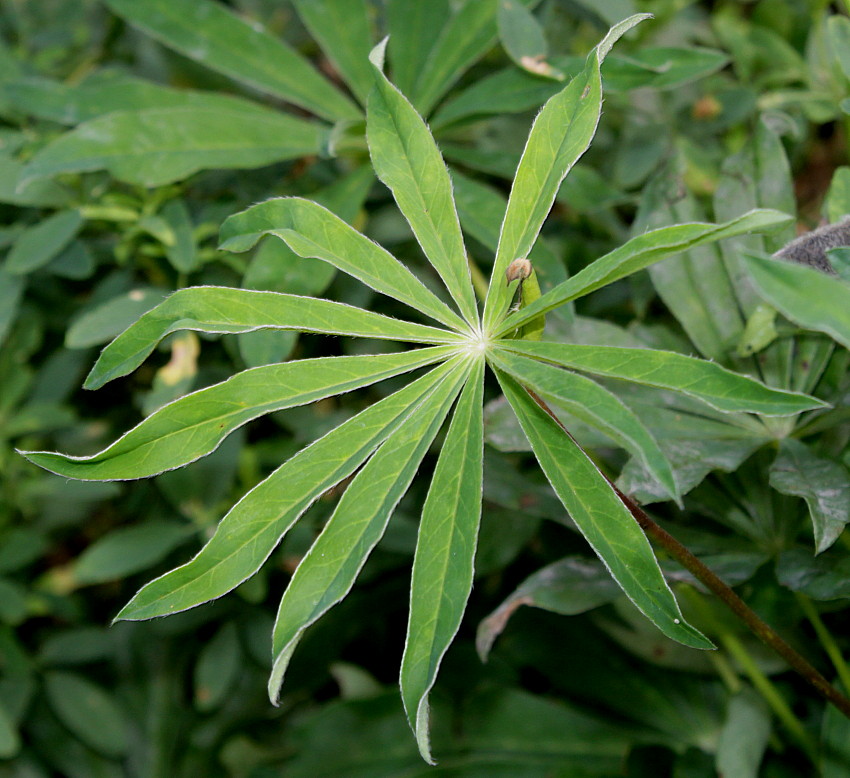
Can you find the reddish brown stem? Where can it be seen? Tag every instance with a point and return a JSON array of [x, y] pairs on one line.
[[732, 601]]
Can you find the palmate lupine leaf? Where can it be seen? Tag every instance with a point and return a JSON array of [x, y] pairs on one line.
[[561, 133], [327, 572], [602, 517], [193, 426], [388, 441], [445, 555], [312, 231], [254, 526], [715, 385], [226, 310]]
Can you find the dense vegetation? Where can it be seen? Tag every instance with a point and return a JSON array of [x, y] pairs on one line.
[[142, 142]]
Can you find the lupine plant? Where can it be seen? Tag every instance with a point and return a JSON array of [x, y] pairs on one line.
[[379, 450]]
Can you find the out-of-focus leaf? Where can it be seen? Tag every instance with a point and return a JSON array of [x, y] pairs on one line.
[[89, 712], [793, 289], [414, 27], [837, 203], [180, 250], [11, 291], [76, 646], [243, 541], [840, 260], [128, 550], [106, 92], [14, 190], [195, 425], [10, 740], [407, 160], [225, 310], [342, 28], [217, 668], [523, 39], [602, 518], [823, 577], [213, 35], [835, 743], [720, 388], [445, 552], [328, 570], [569, 586], [823, 483], [104, 322], [839, 38], [661, 68], [37, 245], [161, 145], [744, 736]]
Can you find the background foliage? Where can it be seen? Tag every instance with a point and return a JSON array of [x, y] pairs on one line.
[[132, 129]]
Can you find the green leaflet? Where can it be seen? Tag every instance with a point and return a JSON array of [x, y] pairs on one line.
[[414, 27], [720, 388], [161, 145], [255, 525], [407, 160], [313, 231], [602, 517], [639, 253], [327, 573], [193, 426], [594, 405], [791, 288], [445, 555], [226, 310], [40, 243], [561, 133], [211, 34]]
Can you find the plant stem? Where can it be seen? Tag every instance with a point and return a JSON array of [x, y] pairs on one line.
[[826, 640], [769, 692], [732, 601]]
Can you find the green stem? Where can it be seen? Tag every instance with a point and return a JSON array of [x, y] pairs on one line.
[[770, 693], [826, 640], [725, 671], [732, 601]]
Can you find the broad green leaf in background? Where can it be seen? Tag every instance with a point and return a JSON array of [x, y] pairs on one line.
[[791, 288], [312, 231], [720, 388], [106, 92], [640, 252], [823, 483], [160, 145], [211, 34], [217, 668], [194, 426], [523, 39], [10, 740], [342, 29], [837, 203], [414, 27], [128, 550], [11, 292], [596, 406], [744, 736], [327, 573], [407, 160], [602, 517], [253, 527], [839, 38], [89, 712], [561, 133], [106, 320], [569, 586], [225, 310], [39, 244], [445, 555]]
